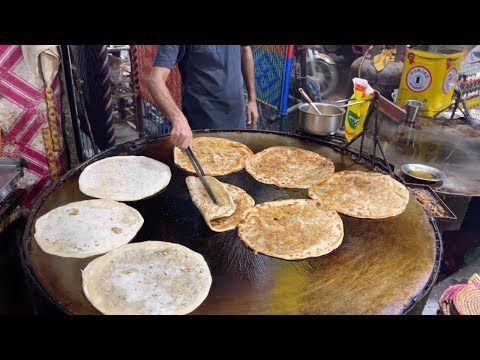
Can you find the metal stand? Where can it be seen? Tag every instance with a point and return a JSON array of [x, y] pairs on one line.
[[376, 141], [456, 105]]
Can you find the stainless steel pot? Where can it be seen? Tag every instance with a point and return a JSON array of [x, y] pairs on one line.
[[323, 125]]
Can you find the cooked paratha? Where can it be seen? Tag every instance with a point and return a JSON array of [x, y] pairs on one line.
[[292, 229], [87, 228], [203, 202], [362, 194], [147, 278], [217, 156], [242, 203], [289, 167], [124, 178]]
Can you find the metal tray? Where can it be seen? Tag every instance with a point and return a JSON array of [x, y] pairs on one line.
[[451, 215]]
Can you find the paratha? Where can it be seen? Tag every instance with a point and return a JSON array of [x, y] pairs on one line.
[[204, 203], [292, 229], [124, 178], [242, 203], [217, 156], [87, 228], [289, 167], [362, 194], [147, 278]]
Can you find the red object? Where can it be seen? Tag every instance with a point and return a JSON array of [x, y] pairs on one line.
[[360, 49], [411, 58], [290, 49]]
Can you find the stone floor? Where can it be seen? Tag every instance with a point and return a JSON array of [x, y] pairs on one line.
[[124, 132]]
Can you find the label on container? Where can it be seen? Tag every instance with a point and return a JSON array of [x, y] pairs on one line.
[[419, 79], [450, 80]]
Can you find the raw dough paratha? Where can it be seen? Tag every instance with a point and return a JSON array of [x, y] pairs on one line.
[[242, 203], [147, 278], [362, 194], [292, 229], [204, 204], [124, 178], [289, 167], [86, 228], [217, 156]]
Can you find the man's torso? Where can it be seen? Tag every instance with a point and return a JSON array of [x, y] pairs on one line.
[[213, 87]]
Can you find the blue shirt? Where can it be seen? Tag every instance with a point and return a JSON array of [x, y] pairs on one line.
[[212, 83]]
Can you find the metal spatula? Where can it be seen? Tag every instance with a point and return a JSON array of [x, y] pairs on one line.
[[201, 174]]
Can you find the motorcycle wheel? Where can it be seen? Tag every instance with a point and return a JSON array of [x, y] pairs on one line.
[[327, 77]]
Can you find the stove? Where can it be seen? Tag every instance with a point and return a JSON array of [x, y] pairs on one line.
[[337, 139], [11, 170]]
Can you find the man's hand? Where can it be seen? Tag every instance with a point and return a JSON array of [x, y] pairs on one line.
[[181, 134], [252, 114]]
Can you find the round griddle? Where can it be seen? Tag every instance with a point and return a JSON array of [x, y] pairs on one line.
[[382, 267]]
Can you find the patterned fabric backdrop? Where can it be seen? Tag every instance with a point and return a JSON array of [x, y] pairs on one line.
[[142, 57], [23, 116], [270, 61]]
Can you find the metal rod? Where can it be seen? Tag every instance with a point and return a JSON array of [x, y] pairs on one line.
[[354, 103], [293, 108], [375, 140], [139, 115], [361, 143], [66, 64], [387, 164], [283, 123], [360, 101], [195, 162], [352, 141]]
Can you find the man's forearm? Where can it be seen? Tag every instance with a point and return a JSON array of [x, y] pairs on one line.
[[248, 72], [163, 98]]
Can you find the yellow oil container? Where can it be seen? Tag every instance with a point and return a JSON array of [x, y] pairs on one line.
[[429, 77]]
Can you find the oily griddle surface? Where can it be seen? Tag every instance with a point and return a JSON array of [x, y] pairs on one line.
[[380, 266]]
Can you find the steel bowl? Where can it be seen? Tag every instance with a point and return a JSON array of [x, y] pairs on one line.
[[322, 125], [415, 171]]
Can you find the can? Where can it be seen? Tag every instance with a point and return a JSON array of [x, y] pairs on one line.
[[430, 78]]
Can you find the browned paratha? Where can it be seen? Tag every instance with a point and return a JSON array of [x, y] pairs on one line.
[[217, 156], [289, 167], [204, 203], [362, 194], [292, 229], [243, 203], [220, 218]]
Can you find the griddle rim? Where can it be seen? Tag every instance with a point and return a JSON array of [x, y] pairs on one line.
[[134, 146]]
